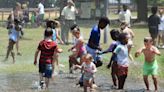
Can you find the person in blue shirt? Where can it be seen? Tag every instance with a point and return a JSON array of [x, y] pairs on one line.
[[94, 41]]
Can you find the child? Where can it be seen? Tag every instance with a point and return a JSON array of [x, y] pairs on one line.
[[13, 38], [161, 29], [89, 69], [78, 48], [130, 33], [122, 59], [55, 26], [46, 48], [113, 61], [150, 66]]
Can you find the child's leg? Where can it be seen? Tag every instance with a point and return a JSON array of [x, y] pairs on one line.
[[17, 47], [113, 74], [13, 56], [91, 84], [155, 82], [145, 77], [72, 60], [10, 48], [121, 81], [85, 83], [47, 82]]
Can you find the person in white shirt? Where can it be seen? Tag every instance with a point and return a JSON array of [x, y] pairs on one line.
[[68, 16], [161, 29], [125, 15], [41, 12]]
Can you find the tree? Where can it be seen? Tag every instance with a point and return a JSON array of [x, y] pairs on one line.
[[142, 10]]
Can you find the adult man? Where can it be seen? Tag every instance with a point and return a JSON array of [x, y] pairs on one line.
[[125, 15], [94, 40], [41, 12], [68, 16]]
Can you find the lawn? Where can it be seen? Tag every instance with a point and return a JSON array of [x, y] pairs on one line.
[[28, 45]]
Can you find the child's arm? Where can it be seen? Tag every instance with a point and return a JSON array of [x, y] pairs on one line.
[[94, 69], [138, 52], [111, 60], [156, 51], [58, 37], [36, 56]]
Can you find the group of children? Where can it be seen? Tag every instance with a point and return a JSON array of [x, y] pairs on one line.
[[119, 62]]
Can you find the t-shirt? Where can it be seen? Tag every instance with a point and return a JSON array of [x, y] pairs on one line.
[[94, 37], [14, 35], [125, 16], [90, 67], [161, 25], [122, 55], [69, 13], [47, 50], [41, 8], [153, 21], [113, 45]]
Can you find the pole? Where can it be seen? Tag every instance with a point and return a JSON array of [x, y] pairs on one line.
[[107, 27]]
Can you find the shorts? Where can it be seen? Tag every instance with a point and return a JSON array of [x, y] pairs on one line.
[[114, 68], [94, 54], [153, 32], [150, 68], [48, 71], [42, 67], [122, 70]]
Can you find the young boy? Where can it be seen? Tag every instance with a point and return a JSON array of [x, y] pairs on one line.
[[13, 38], [46, 48], [78, 48], [113, 61], [121, 52], [150, 66], [161, 29]]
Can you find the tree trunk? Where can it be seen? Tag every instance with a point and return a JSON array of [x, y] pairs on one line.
[[142, 10]]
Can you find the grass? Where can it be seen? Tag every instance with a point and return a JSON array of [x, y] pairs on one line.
[[32, 37]]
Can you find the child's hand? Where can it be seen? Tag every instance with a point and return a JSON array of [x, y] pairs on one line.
[[108, 66], [35, 62]]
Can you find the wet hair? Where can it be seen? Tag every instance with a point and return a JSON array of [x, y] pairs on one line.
[[148, 39], [104, 20], [75, 28], [48, 32], [114, 33], [154, 9], [122, 37], [51, 24], [88, 57]]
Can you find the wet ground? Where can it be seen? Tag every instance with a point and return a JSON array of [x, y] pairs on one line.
[[64, 83]]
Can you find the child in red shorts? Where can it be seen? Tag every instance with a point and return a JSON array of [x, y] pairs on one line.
[[122, 59]]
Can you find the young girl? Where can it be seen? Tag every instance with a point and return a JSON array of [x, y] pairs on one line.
[[113, 61], [130, 33], [13, 38], [88, 68], [150, 66], [122, 59], [78, 48]]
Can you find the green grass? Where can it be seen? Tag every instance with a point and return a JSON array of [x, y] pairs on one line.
[[32, 37]]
